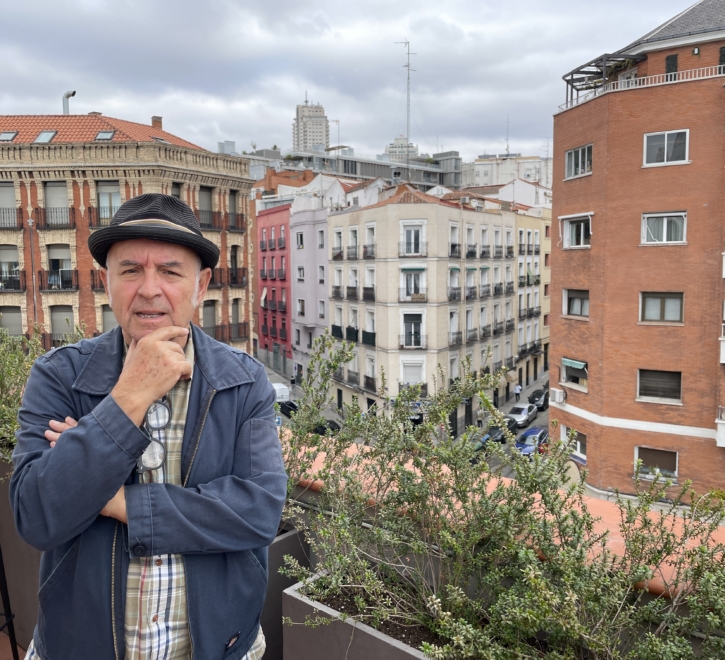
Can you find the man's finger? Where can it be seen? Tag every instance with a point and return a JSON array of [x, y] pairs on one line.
[[52, 437], [167, 333]]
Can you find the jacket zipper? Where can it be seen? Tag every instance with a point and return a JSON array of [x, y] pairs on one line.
[[113, 591], [186, 480]]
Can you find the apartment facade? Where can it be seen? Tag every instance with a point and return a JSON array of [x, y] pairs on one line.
[[64, 176], [310, 127], [636, 354], [417, 282], [498, 169]]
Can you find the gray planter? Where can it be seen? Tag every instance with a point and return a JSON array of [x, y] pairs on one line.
[[22, 567], [289, 542], [340, 639]]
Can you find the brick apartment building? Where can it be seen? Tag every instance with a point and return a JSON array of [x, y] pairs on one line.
[[63, 176], [638, 256]]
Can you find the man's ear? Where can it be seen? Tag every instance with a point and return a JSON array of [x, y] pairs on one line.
[[204, 279]]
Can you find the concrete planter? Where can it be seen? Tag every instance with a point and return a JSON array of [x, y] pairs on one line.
[[288, 542], [22, 566], [340, 639]]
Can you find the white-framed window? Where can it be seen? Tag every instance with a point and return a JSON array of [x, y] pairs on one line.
[[338, 315], [300, 240], [338, 276], [300, 307], [300, 273], [369, 320], [271, 234], [659, 386], [661, 307], [578, 232], [413, 240], [321, 308], [320, 238], [580, 441], [321, 274], [579, 161], [352, 313], [297, 337], [575, 302], [667, 148], [656, 461], [664, 228], [575, 374]]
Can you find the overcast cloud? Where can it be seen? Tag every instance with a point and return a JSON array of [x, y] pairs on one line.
[[233, 69]]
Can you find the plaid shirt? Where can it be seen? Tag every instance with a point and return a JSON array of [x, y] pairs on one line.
[[156, 619]]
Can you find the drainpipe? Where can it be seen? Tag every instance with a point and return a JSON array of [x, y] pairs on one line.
[[32, 266], [66, 96]]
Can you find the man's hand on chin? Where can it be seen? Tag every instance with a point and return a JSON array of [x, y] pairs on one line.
[[116, 507]]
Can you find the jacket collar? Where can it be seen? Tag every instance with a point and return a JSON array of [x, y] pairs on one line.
[[220, 367]]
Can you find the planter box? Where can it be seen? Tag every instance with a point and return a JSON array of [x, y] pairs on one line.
[[22, 566], [347, 639], [289, 542]]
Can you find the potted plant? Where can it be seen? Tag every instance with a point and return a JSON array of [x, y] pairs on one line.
[[416, 534]]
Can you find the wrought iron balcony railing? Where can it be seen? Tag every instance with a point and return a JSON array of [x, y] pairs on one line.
[[368, 338], [336, 331], [336, 293], [485, 252], [454, 250], [454, 293], [58, 280], [12, 281], [238, 277], [413, 249], [412, 294], [352, 334], [352, 293], [369, 251], [455, 338], [413, 340], [235, 223], [485, 290], [352, 252], [470, 250], [11, 218], [369, 293], [55, 218]]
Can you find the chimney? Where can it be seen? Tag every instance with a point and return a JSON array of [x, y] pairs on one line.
[[157, 122], [95, 113]]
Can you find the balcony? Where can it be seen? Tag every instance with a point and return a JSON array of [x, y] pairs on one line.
[[530, 248], [265, 330], [485, 331], [509, 288], [96, 283], [336, 293], [522, 248], [263, 274], [414, 295], [423, 387], [535, 346], [272, 274], [352, 293], [369, 383], [523, 350], [11, 218], [13, 281], [498, 289], [455, 338], [352, 334], [471, 293], [281, 243], [534, 280], [281, 274], [210, 220], [239, 331], [271, 305], [470, 250], [337, 254], [454, 293], [369, 252], [262, 245], [497, 365], [510, 363], [530, 312], [271, 244], [498, 251], [235, 222], [58, 280], [238, 277], [55, 218], [339, 374], [282, 305], [413, 340], [472, 334], [497, 328], [369, 293], [353, 377], [537, 311], [101, 216], [510, 325], [522, 313], [283, 334], [522, 280], [413, 249], [509, 251], [454, 250], [273, 331], [485, 290], [217, 278], [352, 252], [537, 248], [485, 252], [336, 331], [368, 338]]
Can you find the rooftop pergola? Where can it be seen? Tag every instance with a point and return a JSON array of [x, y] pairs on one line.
[[595, 73]]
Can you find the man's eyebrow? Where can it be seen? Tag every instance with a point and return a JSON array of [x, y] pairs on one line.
[[129, 262], [165, 264]]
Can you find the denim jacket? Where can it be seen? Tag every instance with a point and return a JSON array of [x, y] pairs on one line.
[[221, 520]]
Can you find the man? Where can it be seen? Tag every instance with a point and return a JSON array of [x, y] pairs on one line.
[[163, 483], [517, 391]]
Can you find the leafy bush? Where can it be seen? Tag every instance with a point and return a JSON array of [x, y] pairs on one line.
[[418, 528]]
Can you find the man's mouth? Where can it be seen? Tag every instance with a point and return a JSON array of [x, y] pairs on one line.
[[150, 315]]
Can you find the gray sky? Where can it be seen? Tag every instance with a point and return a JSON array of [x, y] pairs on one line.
[[234, 69]]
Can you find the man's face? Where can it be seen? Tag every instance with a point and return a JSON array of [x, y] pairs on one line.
[[152, 285]]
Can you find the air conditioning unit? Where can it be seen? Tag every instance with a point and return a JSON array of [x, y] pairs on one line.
[[557, 396], [465, 200]]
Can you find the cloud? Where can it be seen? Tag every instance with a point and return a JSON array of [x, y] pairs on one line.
[[235, 70]]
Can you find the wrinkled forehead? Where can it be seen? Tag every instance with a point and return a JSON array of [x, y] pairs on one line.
[[149, 253]]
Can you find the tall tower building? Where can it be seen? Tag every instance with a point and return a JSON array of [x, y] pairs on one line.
[[310, 128]]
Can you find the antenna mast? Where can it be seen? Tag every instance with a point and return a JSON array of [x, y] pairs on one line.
[[406, 43]]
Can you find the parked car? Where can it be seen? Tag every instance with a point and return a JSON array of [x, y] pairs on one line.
[[288, 407], [330, 427], [524, 413], [498, 434], [532, 440], [540, 398], [281, 392]]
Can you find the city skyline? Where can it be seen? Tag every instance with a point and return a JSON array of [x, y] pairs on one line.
[[236, 72]]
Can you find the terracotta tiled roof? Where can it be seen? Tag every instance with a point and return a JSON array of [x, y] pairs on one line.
[[84, 128], [406, 194]]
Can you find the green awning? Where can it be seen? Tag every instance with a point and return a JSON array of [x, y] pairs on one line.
[[575, 364], [453, 268], [413, 269]]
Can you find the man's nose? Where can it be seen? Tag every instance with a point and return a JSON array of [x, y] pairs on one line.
[[150, 285]]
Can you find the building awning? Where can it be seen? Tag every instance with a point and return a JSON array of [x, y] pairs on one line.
[[485, 267], [453, 268], [574, 364], [413, 269], [264, 295]]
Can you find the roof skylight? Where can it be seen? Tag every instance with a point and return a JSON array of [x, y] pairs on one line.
[[7, 136], [45, 136], [105, 135]]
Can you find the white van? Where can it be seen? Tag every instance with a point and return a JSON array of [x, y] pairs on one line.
[[282, 392]]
